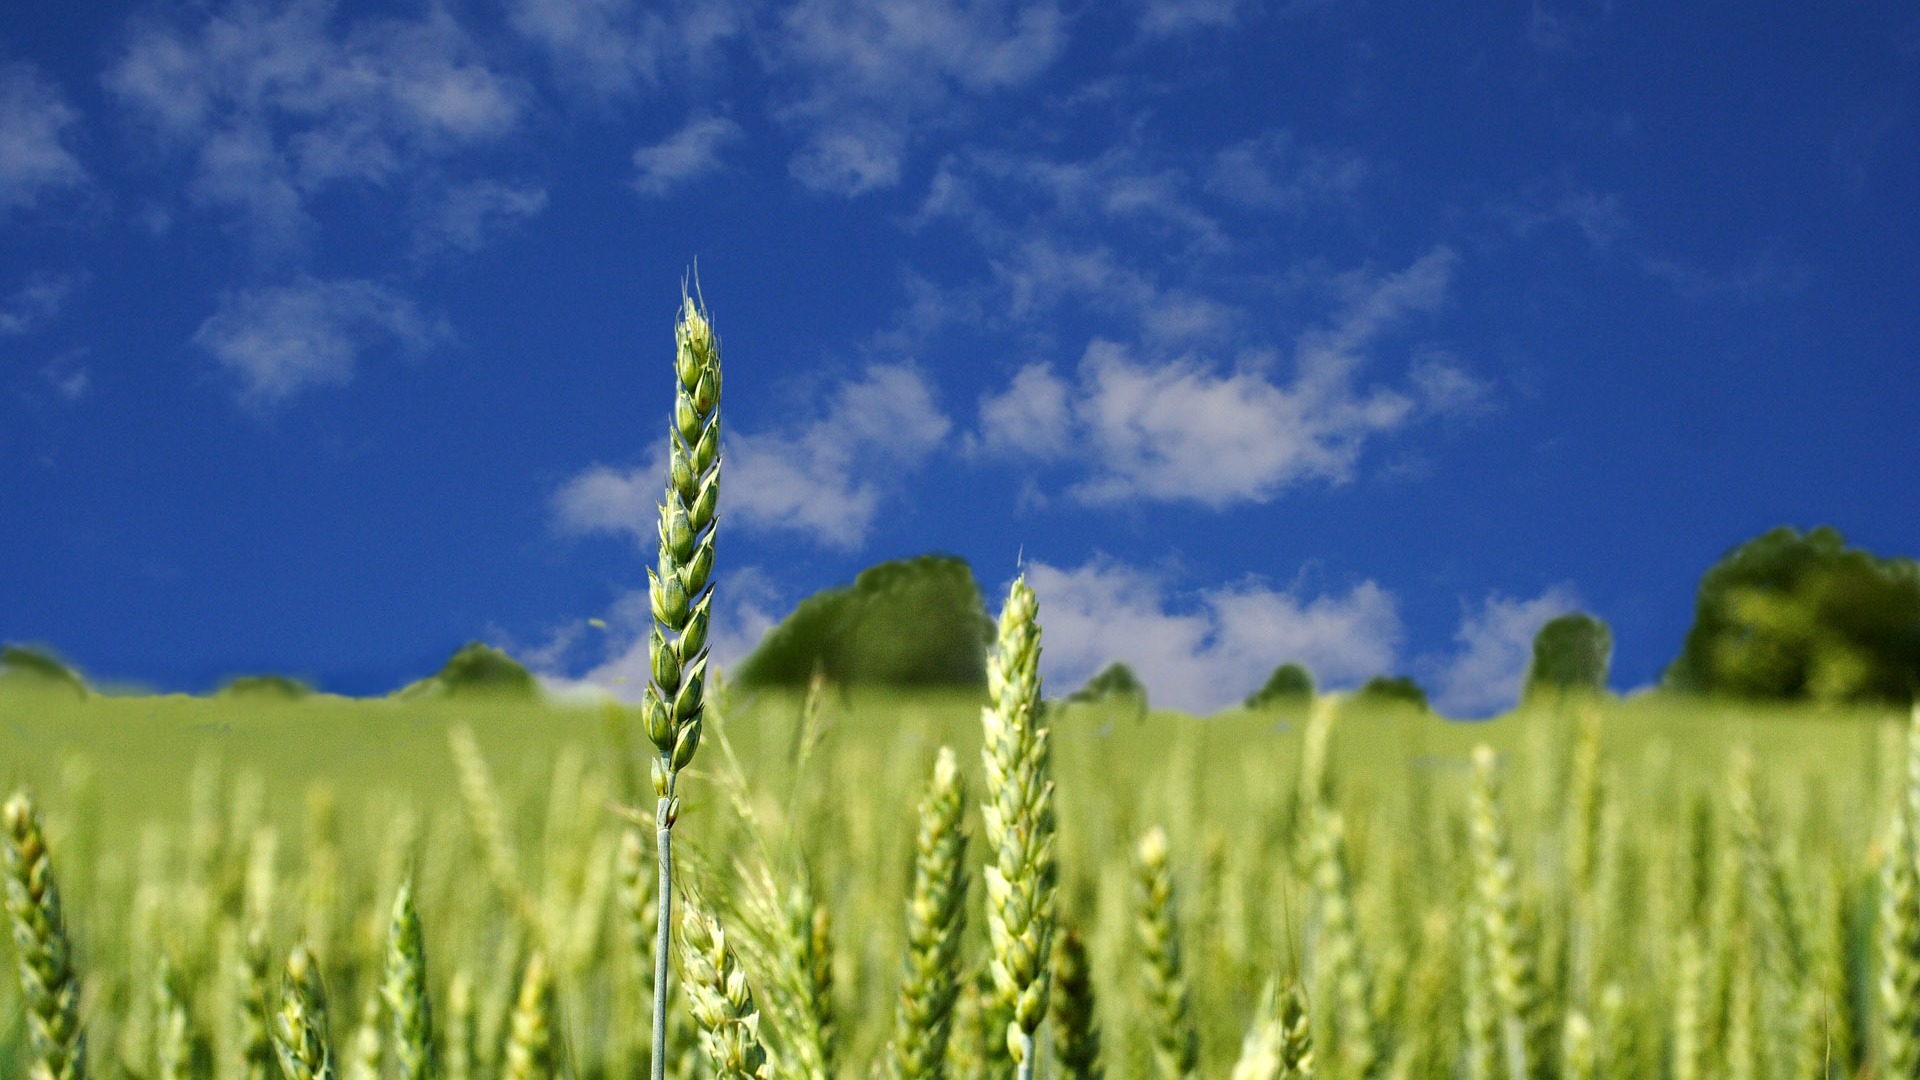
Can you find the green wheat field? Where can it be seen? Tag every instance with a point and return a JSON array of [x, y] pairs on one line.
[[1672, 911]]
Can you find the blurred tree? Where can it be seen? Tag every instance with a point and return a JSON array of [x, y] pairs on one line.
[[1290, 684], [1570, 654], [38, 669], [1383, 689], [477, 669], [267, 686], [1800, 616], [1116, 682], [916, 622]]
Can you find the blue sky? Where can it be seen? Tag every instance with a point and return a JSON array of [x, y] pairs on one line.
[[333, 336]]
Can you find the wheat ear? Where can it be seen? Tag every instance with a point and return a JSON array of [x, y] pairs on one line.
[[936, 913], [530, 1048], [1343, 981], [255, 1036], [300, 1023], [1018, 817], [1279, 1042], [1515, 997], [1900, 926], [47, 981], [405, 989], [460, 1027], [173, 1037], [682, 598], [722, 1002], [1176, 1050], [1076, 1038]]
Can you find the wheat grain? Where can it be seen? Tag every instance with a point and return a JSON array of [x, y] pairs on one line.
[[530, 1041], [1076, 1034], [682, 599], [300, 1023], [405, 989], [45, 953], [722, 1002], [1176, 1050], [1018, 818], [936, 915]]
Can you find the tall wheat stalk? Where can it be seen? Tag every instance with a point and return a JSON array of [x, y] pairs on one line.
[[682, 599], [47, 979], [936, 913], [1900, 926], [1018, 817]]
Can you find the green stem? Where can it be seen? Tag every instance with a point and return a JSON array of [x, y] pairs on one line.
[[1025, 1069], [663, 938]]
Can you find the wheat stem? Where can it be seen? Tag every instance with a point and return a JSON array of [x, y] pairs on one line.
[[47, 980]]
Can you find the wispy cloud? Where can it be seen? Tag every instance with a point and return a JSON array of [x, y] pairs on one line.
[[616, 48], [861, 76], [36, 125], [1272, 171], [1210, 651], [279, 342], [1178, 432], [824, 481], [685, 156], [468, 217], [1493, 647], [273, 103], [36, 303]]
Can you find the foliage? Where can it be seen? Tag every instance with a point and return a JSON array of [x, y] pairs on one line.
[[477, 670], [38, 669], [1795, 616], [278, 687], [1114, 681], [1570, 653], [1393, 689], [1290, 684], [911, 623]]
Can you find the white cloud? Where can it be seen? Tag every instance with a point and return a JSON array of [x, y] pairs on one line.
[[36, 303], [281, 341], [1176, 431], [686, 155], [614, 48], [865, 74], [276, 102], [1214, 656], [1494, 647], [746, 605], [1170, 18], [468, 217], [1272, 172], [35, 121], [824, 481]]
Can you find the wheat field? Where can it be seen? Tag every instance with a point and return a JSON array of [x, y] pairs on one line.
[[1689, 890]]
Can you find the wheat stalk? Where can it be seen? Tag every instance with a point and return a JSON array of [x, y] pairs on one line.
[[1509, 969], [405, 989], [1019, 823], [1900, 926], [173, 1046], [300, 1024], [682, 598], [1076, 1037], [936, 913], [530, 1039], [722, 1002], [460, 1027], [1343, 981], [1279, 1042], [45, 953], [1176, 1049]]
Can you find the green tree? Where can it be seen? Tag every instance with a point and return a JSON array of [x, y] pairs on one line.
[[1570, 654], [479, 670], [1116, 682], [914, 622], [267, 686], [1794, 616], [1393, 689], [1290, 684], [38, 669]]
